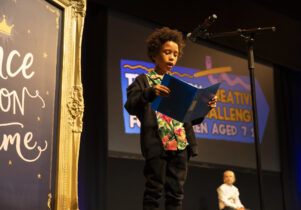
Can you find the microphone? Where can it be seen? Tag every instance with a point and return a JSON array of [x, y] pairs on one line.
[[201, 30]]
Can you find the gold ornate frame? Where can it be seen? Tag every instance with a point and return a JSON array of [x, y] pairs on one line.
[[71, 105]]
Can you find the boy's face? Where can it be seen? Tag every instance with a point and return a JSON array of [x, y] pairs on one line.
[[167, 57], [229, 177]]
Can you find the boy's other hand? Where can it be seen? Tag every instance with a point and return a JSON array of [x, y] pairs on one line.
[[161, 90], [212, 102]]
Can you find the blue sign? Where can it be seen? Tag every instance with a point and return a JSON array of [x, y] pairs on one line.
[[232, 118]]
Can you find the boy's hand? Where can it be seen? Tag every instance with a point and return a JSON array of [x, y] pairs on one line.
[[212, 102], [161, 90]]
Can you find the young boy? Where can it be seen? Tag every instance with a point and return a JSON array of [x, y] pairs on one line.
[[166, 144], [228, 194]]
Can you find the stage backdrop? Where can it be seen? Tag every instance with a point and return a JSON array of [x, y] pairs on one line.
[[226, 135]]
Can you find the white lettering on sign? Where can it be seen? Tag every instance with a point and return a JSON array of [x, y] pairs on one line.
[[14, 102]]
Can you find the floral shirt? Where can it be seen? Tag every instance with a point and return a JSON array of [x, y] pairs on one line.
[[172, 132]]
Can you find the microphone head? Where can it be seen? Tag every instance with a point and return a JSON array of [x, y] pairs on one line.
[[212, 18], [201, 30]]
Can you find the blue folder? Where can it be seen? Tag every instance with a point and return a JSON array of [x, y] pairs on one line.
[[185, 102]]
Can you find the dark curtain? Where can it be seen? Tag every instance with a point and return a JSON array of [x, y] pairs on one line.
[[94, 140], [288, 104]]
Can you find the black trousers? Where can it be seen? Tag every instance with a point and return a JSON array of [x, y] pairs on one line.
[[167, 172]]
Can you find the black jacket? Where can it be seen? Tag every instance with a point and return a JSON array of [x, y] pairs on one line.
[[139, 98]]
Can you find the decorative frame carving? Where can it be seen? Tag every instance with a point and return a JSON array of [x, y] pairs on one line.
[[71, 105]]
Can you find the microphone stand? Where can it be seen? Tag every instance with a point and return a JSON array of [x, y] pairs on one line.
[[249, 37]]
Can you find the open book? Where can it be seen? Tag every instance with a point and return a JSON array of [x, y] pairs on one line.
[[185, 102]]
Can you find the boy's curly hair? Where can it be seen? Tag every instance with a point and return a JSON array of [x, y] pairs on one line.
[[159, 37]]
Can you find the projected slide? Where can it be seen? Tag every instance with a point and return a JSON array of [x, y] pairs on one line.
[[232, 118]]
